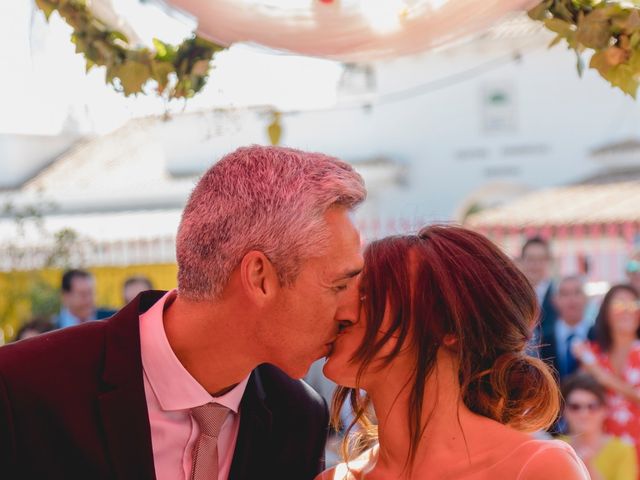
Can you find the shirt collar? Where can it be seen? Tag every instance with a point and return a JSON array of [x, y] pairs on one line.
[[68, 319], [563, 330], [172, 384]]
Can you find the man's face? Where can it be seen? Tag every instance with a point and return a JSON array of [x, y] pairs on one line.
[[80, 301], [324, 295], [535, 263], [571, 301]]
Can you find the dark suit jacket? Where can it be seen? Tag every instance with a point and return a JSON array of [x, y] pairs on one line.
[[548, 313], [549, 349], [72, 406]]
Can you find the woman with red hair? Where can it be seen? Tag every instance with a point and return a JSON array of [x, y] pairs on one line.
[[439, 351]]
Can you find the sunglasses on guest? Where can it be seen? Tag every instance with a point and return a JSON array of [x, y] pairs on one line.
[[621, 306], [590, 407]]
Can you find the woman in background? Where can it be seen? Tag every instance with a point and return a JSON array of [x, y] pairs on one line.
[[606, 457], [614, 360]]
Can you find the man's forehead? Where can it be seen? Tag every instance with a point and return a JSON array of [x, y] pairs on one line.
[[81, 281], [341, 266], [536, 251], [570, 286]]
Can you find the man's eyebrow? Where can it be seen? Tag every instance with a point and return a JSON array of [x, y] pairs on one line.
[[349, 274]]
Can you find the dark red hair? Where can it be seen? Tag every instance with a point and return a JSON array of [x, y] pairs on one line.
[[448, 280]]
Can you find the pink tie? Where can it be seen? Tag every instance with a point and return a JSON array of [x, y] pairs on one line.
[[210, 418]]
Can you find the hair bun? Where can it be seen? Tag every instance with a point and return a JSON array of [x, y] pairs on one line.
[[519, 390]]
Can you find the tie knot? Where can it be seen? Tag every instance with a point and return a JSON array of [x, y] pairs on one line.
[[210, 418]]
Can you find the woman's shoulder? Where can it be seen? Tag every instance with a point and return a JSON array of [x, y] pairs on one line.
[[551, 459]]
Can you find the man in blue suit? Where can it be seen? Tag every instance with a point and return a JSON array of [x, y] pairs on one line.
[[79, 300], [535, 261]]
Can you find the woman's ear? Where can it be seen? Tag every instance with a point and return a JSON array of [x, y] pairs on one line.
[[450, 340]]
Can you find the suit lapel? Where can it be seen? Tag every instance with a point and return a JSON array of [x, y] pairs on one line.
[[122, 403], [251, 452]]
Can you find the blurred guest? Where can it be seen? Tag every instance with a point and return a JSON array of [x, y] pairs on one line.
[[535, 262], [606, 457], [633, 270], [34, 327], [570, 302], [326, 388], [135, 285], [614, 360], [78, 300]]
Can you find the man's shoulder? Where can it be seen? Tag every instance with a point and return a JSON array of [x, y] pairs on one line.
[[55, 341], [52, 349], [78, 345]]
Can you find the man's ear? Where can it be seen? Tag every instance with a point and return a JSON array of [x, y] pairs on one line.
[[258, 277]]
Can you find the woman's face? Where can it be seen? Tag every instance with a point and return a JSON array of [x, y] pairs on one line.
[[584, 412], [339, 366], [624, 313]]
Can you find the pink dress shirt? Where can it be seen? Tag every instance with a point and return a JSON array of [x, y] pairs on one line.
[[170, 393]]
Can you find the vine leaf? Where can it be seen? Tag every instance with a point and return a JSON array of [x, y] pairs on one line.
[[179, 71], [608, 28]]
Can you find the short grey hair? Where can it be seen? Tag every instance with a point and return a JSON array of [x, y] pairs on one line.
[[271, 199]]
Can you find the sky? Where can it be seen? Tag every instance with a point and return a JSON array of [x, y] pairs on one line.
[[42, 80]]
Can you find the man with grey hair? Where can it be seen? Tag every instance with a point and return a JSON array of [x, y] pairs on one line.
[[201, 382]]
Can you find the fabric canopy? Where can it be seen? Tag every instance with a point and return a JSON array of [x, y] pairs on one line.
[[346, 30]]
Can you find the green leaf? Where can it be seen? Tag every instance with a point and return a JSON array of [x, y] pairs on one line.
[[562, 10], [116, 35], [599, 62], [46, 7], [634, 62], [559, 26], [622, 76], [631, 23], [160, 73], [594, 31], [132, 76], [80, 43], [164, 51], [539, 12]]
